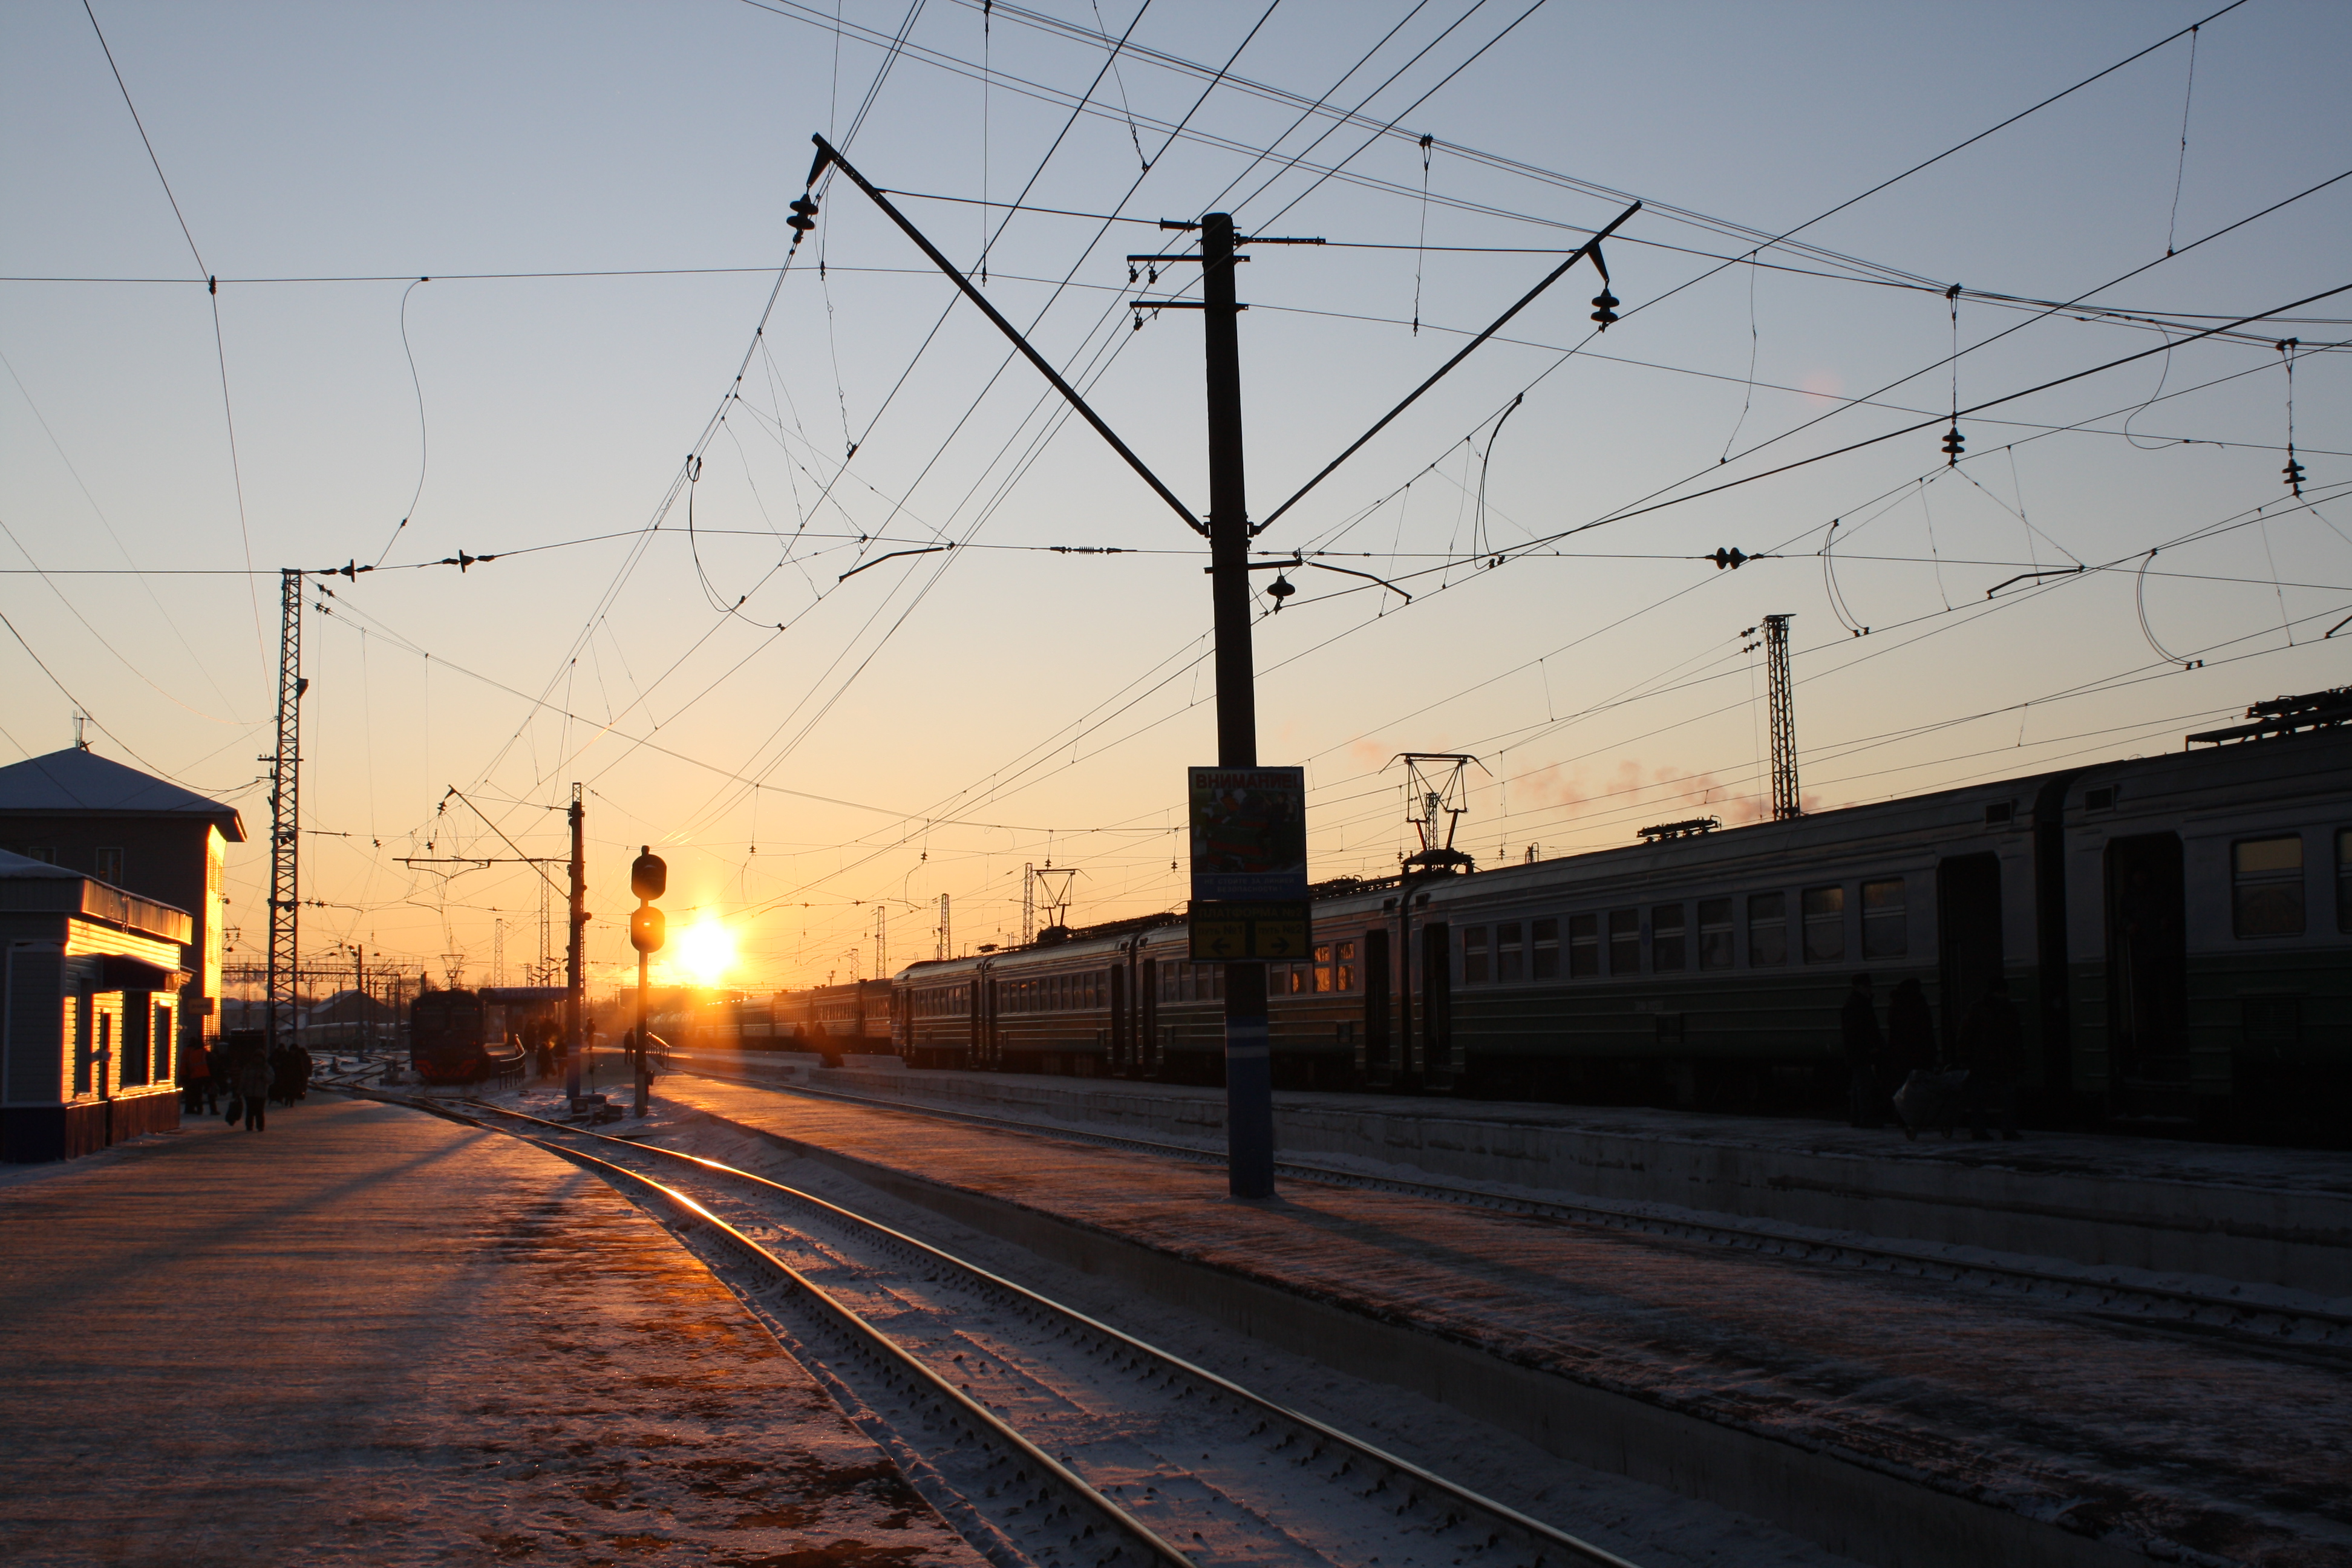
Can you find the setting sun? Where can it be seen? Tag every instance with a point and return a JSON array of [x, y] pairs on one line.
[[706, 950]]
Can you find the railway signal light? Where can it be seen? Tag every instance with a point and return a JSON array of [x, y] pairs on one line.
[[648, 875], [649, 928]]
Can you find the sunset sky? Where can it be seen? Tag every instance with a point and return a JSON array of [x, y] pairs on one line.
[[677, 634]]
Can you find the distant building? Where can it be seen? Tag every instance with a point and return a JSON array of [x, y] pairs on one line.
[[78, 811], [87, 1037]]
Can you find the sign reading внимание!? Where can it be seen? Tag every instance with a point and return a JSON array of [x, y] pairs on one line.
[[1249, 834]]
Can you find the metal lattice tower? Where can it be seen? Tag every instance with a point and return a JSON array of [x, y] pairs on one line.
[[947, 943], [544, 974], [285, 806], [881, 941], [1785, 805], [1028, 904]]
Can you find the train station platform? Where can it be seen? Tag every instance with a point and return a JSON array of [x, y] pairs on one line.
[[2268, 1217], [1891, 1417], [369, 1335]]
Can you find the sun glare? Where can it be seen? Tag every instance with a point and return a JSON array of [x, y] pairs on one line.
[[706, 950]]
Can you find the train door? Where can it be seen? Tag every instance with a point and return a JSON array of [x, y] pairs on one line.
[[1379, 1064], [1147, 1008], [1968, 936], [1439, 1061], [1120, 1030], [2147, 978]]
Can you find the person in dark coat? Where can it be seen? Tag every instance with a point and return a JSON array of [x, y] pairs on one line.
[[253, 1079], [1865, 1052], [1910, 1034], [198, 1085], [1992, 1047]]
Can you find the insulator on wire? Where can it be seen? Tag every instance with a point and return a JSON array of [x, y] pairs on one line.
[[803, 217], [1722, 558], [1130, 272], [1281, 588], [2294, 472], [1138, 321], [1604, 307], [1953, 446]]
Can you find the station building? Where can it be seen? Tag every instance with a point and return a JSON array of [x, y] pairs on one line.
[[142, 834], [89, 1026]]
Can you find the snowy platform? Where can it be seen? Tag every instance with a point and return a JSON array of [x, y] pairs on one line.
[[2122, 1436], [2267, 1217], [372, 1336]]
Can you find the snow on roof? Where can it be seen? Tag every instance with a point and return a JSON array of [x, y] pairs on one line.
[[24, 866], [78, 782]]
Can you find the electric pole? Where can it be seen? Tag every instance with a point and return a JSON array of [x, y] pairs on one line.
[[1249, 1061], [1248, 1064], [285, 808], [575, 1012], [1785, 804]]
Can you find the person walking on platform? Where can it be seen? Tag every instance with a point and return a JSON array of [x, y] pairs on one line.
[[255, 1079], [1992, 1047], [196, 1086], [1865, 1053]]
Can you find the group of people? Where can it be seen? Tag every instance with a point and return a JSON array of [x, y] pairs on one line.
[[1989, 1051], [248, 1073]]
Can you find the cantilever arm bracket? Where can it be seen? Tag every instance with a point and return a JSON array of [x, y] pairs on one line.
[[1590, 248], [827, 155]]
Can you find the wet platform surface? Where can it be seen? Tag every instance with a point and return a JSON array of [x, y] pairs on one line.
[[369, 1335]]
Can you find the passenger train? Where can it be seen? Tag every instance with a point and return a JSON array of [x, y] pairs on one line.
[[466, 1037], [2176, 931]]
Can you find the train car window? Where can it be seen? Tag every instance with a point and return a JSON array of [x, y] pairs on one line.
[[2101, 799], [1715, 942], [1508, 953], [2343, 878], [1883, 932], [1323, 967], [1624, 941], [1473, 955], [2266, 886], [1768, 930], [1583, 945], [1824, 924], [1343, 972], [1213, 982], [1543, 950], [1667, 953]]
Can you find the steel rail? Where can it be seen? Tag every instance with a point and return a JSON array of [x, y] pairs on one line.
[[2234, 1312], [1544, 1544]]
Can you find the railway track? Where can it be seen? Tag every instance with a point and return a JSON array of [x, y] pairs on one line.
[[2298, 1323], [1046, 1436]]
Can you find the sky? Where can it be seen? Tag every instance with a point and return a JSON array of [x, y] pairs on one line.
[[517, 281]]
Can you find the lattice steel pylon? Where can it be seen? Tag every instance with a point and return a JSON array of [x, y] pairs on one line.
[[947, 942], [1785, 805], [285, 807]]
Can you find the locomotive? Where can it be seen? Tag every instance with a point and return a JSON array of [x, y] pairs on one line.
[[2176, 931], [466, 1037]]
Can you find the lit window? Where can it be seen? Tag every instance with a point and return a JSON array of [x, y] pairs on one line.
[[1323, 967], [1507, 956], [2267, 887], [1883, 933], [1715, 934], [1768, 930], [1583, 945], [1624, 941], [1473, 955], [1824, 924], [1343, 976], [1544, 957], [1666, 938]]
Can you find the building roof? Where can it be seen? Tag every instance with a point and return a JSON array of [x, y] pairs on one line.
[[75, 783], [16, 865]]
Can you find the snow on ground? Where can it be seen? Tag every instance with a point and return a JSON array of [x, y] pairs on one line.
[[2167, 1439], [369, 1336]]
